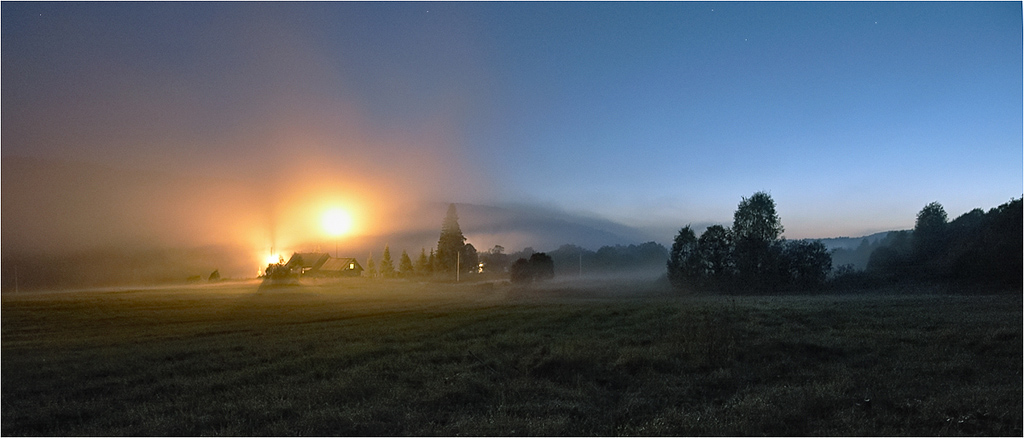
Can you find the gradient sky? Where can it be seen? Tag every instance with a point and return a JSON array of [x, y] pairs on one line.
[[853, 116]]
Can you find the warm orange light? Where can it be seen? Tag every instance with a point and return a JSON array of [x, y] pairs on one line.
[[337, 222], [273, 258]]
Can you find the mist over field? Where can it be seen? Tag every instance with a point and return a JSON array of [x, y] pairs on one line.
[[76, 224]]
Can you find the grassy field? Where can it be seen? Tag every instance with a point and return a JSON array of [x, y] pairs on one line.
[[398, 358]]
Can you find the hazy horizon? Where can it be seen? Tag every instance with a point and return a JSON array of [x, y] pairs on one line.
[[184, 125]]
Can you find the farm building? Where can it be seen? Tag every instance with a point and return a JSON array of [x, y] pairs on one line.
[[318, 264]]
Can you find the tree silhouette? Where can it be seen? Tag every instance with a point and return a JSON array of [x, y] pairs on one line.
[[714, 251], [371, 267], [756, 229], [451, 243], [423, 263], [540, 266], [543, 266], [387, 266], [809, 264], [682, 258], [405, 267], [929, 231]]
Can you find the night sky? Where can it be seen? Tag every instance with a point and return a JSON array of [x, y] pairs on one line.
[[853, 116]]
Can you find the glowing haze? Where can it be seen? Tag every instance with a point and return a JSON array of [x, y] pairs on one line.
[[241, 124]]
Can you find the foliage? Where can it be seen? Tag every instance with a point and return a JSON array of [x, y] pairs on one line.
[[371, 267], [451, 244], [572, 260], [809, 264], [387, 266], [752, 259], [714, 255], [681, 258], [756, 229], [495, 260], [975, 248], [539, 267], [423, 265], [405, 266]]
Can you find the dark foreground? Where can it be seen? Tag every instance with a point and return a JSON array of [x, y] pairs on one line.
[[361, 358]]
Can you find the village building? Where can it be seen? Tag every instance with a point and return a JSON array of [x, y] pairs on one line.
[[318, 264]]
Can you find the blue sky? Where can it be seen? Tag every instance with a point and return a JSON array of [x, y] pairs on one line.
[[852, 115]]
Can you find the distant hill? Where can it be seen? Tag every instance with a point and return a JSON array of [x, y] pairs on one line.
[[514, 227], [851, 242]]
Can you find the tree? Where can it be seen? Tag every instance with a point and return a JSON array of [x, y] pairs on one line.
[[423, 265], [929, 236], [756, 219], [809, 264], [451, 242], [405, 265], [543, 266], [540, 266], [495, 260], [681, 259], [387, 266], [470, 260], [520, 272], [371, 267], [756, 230], [715, 255], [435, 266]]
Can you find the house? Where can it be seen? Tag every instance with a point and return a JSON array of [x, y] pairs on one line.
[[318, 264]]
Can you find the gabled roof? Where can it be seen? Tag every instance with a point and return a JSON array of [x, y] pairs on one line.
[[340, 264], [308, 260]]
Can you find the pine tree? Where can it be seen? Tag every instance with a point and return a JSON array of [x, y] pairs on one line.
[[451, 243], [371, 267], [434, 264], [387, 267], [423, 263], [405, 265]]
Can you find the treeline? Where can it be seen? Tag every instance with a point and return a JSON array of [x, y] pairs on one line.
[[453, 254], [976, 248], [751, 256]]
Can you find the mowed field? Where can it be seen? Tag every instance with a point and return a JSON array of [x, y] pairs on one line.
[[360, 357]]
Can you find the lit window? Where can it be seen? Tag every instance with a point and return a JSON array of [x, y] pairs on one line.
[[351, 265]]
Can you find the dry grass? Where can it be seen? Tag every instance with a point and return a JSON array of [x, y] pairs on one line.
[[397, 358]]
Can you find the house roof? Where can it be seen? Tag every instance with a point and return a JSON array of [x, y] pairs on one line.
[[319, 261], [340, 264], [312, 260]]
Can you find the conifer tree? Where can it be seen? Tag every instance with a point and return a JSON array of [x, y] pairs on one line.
[[423, 263], [434, 264], [387, 266], [405, 265], [451, 243], [371, 267]]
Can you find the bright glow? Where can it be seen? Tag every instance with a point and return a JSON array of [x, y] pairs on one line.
[[273, 258], [337, 222]]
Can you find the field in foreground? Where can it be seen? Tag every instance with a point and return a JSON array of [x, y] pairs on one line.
[[396, 358]]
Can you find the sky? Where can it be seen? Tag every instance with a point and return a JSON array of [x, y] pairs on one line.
[[853, 116]]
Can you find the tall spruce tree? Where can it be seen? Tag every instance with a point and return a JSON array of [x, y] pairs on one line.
[[371, 267], [423, 263], [452, 243], [387, 266], [405, 267]]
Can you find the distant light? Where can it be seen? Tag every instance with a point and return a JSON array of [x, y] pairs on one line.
[[337, 222], [273, 258]]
